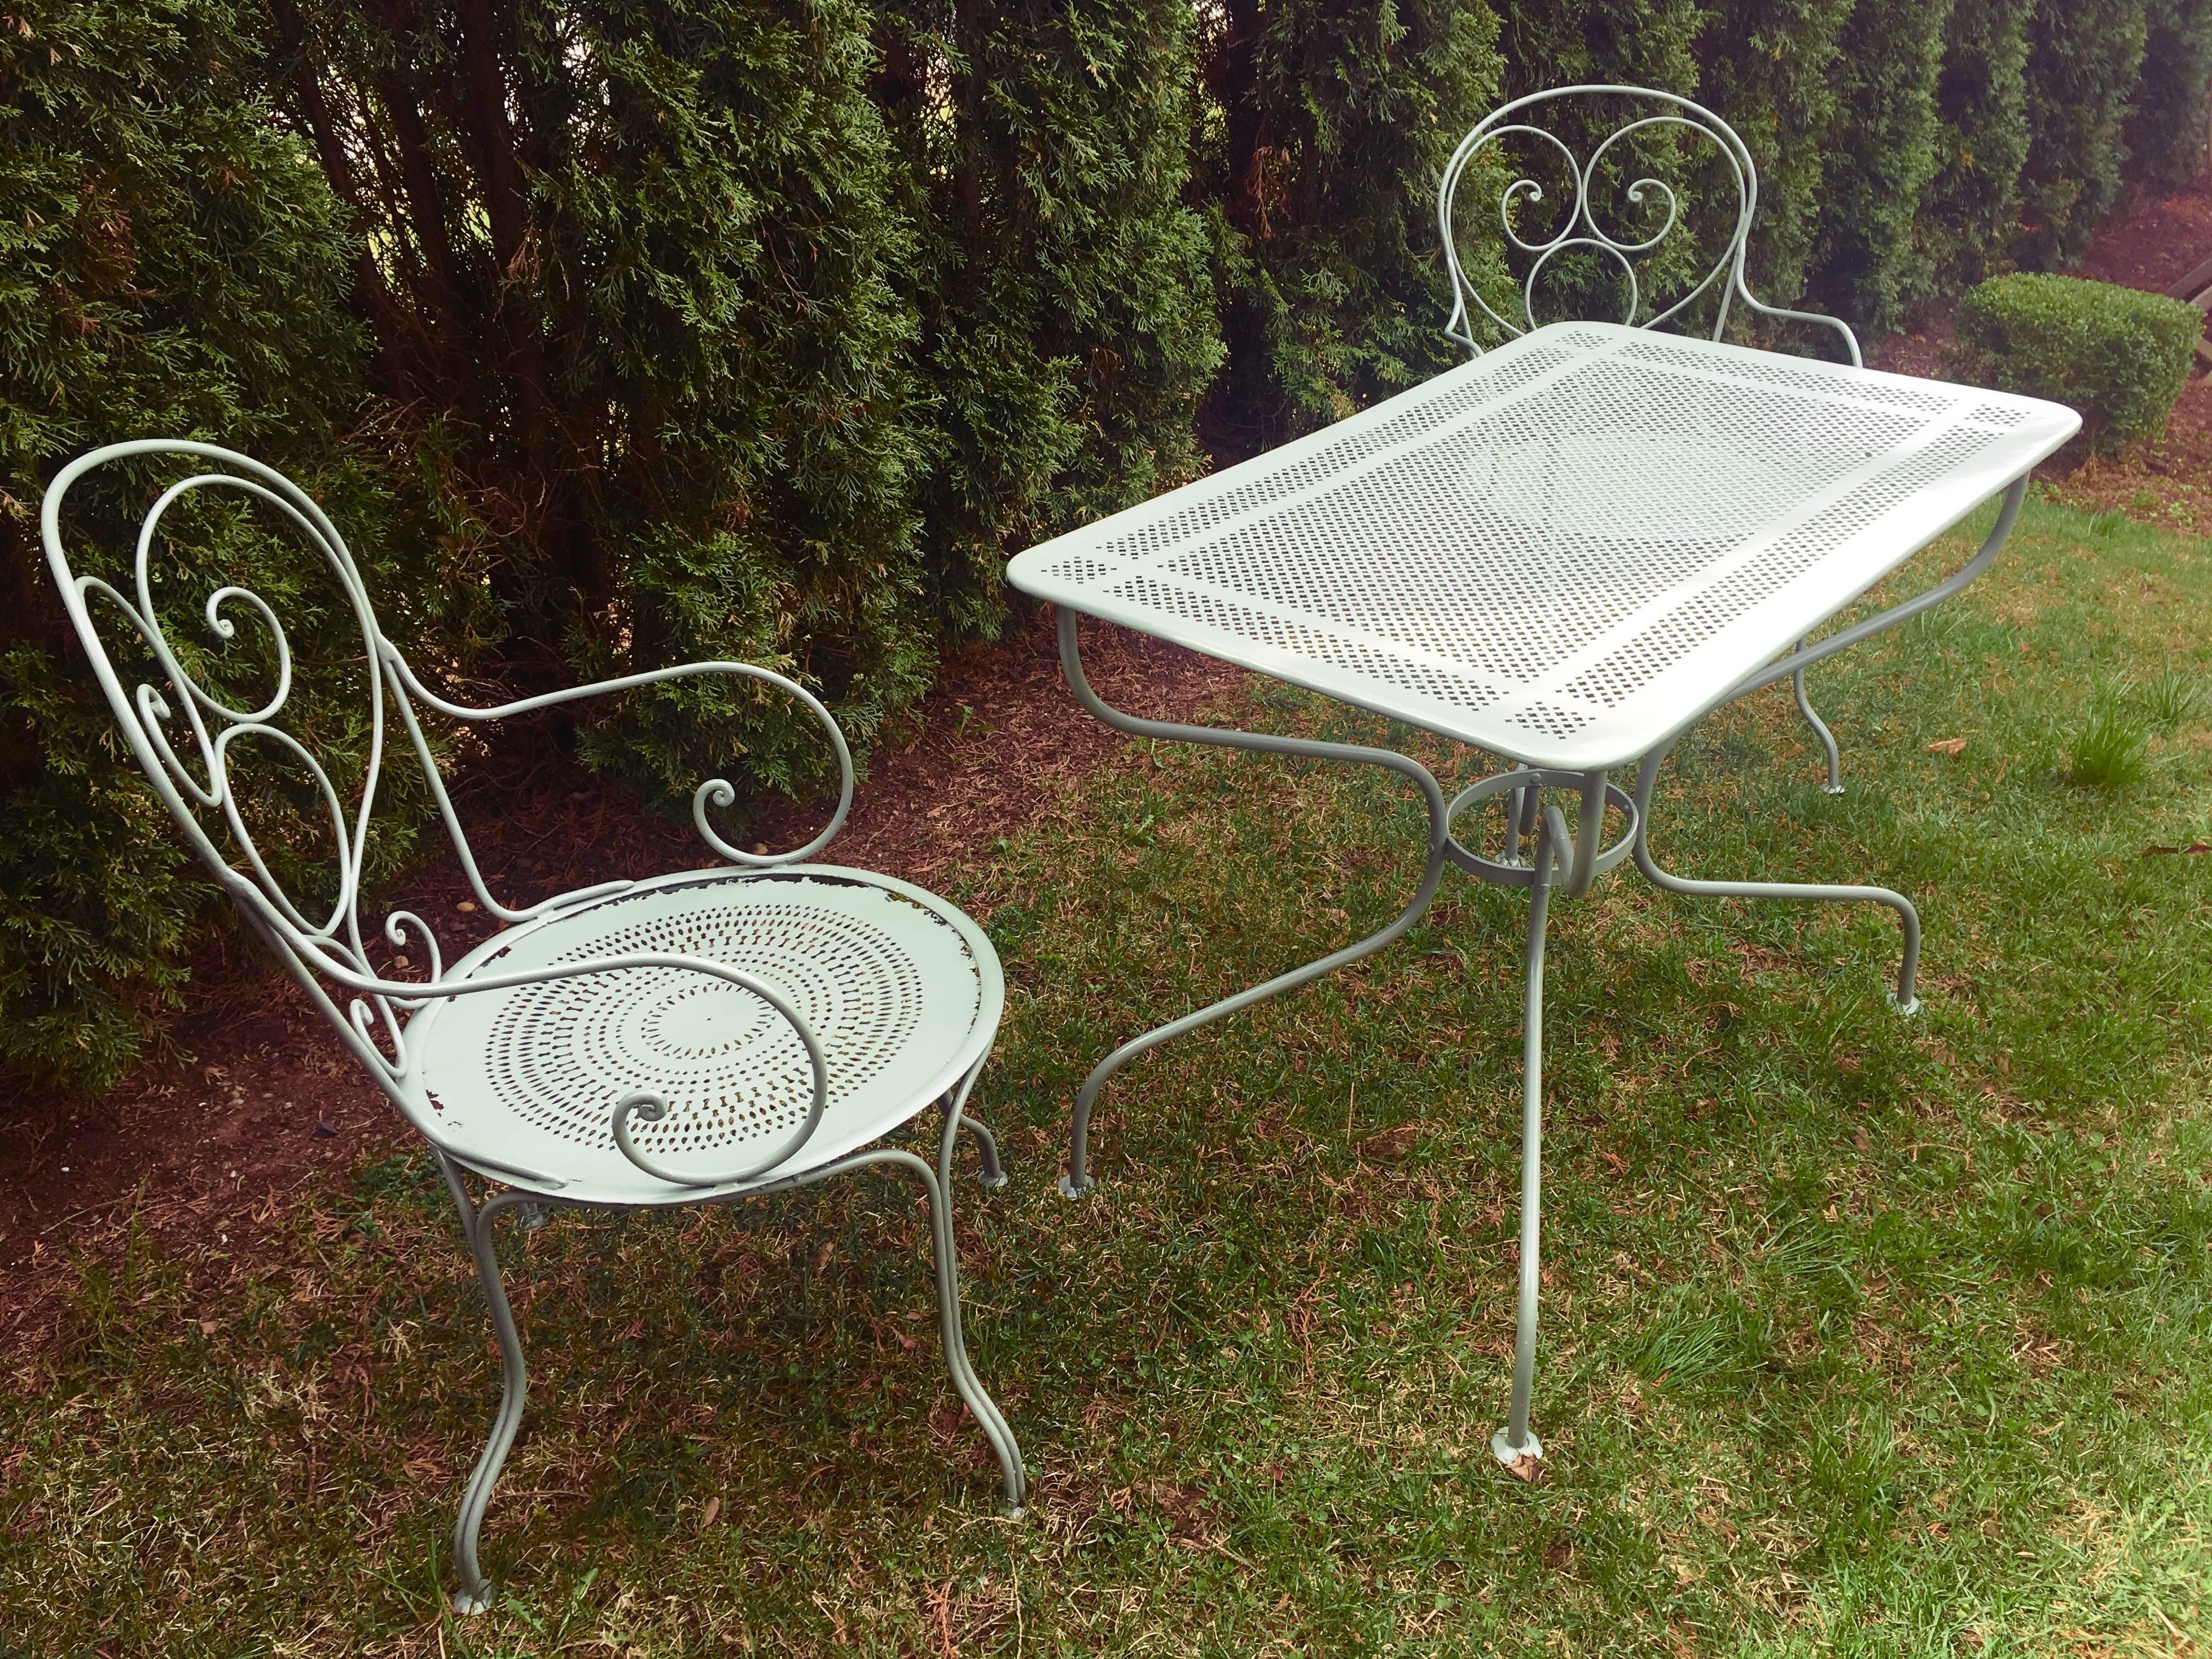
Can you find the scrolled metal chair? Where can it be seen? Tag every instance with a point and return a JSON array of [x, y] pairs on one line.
[[1575, 227], [684, 1039]]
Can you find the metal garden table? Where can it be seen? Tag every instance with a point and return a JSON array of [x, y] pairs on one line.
[[1565, 553]]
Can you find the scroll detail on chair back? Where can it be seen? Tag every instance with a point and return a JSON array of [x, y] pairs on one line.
[[1559, 208], [679, 1039]]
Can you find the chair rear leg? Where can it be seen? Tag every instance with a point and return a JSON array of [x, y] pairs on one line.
[[993, 1174], [475, 1594]]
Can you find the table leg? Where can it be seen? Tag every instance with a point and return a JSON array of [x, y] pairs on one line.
[[1834, 786], [1908, 918], [1514, 1442], [1077, 1179]]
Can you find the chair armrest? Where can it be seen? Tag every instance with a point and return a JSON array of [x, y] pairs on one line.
[[714, 791], [1850, 339]]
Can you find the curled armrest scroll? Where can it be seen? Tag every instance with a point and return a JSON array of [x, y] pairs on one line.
[[714, 791]]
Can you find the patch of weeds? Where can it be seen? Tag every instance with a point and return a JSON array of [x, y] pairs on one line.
[[2110, 752], [2171, 700]]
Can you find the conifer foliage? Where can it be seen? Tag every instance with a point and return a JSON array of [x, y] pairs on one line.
[[170, 262], [1063, 284], [630, 279], [1328, 126]]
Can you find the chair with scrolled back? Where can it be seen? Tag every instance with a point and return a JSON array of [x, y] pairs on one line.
[[680, 1039], [1669, 128]]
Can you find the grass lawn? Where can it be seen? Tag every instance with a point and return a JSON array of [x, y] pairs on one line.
[[1862, 1335]]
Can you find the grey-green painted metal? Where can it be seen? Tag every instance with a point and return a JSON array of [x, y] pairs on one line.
[[1653, 496], [1540, 852], [766, 1025], [1565, 552], [1579, 228]]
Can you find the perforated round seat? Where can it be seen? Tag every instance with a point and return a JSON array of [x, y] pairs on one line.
[[902, 992]]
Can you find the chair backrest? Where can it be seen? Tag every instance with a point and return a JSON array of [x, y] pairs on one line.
[[192, 739], [1620, 146]]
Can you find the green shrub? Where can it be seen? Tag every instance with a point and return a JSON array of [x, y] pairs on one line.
[[1970, 210], [2084, 59], [175, 266], [2118, 354], [636, 261], [1326, 126], [1063, 285], [2165, 125], [1884, 155], [1769, 70]]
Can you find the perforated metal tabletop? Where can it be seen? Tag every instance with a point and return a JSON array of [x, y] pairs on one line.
[[1563, 551]]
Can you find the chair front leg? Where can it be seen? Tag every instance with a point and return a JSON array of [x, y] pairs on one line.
[[1014, 1480], [475, 1594]]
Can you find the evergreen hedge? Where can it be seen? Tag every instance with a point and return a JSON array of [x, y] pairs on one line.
[[1065, 288], [171, 261], [2167, 122], [1882, 156], [1971, 209], [2083, 61], [635, 293], [625, 331], [1768, 68], [1327, 127]]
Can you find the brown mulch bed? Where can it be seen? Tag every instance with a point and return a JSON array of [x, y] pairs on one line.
[[272, 1110]]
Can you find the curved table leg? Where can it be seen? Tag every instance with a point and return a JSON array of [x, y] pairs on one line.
[[1077, 1179], [1835, 783], [1907, 917]]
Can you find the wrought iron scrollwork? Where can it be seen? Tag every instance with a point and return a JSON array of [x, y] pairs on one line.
[[185, 735], [1578, 229]]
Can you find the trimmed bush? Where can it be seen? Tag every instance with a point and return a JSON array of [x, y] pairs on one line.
[[2084, 58], [1327, 128], [2118, 354]]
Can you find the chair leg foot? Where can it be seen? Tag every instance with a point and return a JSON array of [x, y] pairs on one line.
[[468, 1603], [1071, 1186]]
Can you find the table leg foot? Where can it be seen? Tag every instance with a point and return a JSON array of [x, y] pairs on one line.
[[1071, 1188], [1503, 1448], [1908, 1008]]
